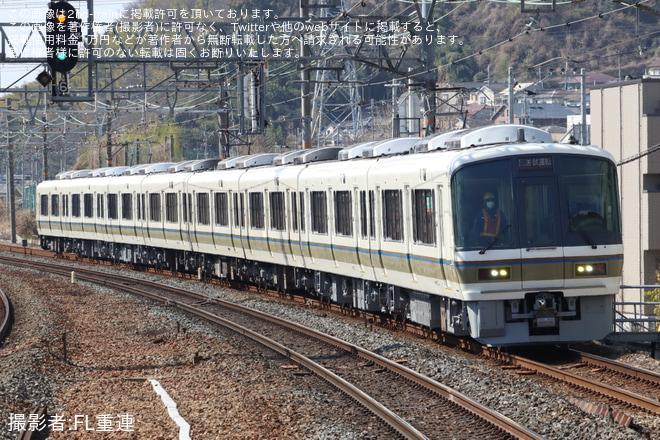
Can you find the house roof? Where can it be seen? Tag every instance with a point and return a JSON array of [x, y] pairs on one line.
[[655, 63], [543, 111], [592, 78]]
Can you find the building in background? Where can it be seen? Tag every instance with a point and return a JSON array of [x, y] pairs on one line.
[[625, 120]]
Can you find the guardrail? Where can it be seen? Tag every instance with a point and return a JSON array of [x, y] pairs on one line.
[[637, 321], [632, 316]]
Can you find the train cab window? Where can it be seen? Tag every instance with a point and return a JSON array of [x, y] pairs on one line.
[[100, 211], [392, 215], [171, 208], [75, 205], [319, 207], [88, 205], [127, 206], [55, 205], [221, 209], [257, 216], [343, 213], [154, 207], [483, 205], [423, 216], [112, 207], [44, 205], [590, 201], [203, 209], [277, 219]]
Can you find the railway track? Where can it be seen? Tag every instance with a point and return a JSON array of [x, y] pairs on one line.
[[420, 407], [623, 387], [5, 315]]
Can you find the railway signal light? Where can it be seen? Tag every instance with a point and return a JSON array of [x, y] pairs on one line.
[[63, 33]]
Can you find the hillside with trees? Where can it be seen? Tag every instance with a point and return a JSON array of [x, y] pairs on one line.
[[490, 37]]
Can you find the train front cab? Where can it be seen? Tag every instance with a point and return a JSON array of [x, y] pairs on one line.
[[547, 266]]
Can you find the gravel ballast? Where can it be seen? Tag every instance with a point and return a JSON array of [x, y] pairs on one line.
[[114, 342]]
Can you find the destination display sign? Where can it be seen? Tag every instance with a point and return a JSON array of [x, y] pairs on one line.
[[535, 163]]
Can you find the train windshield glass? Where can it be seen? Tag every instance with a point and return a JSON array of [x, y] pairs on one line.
[[483, 206], [562, 200], [589, 195]]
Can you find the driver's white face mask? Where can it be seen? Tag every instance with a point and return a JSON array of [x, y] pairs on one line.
[[490, 204]]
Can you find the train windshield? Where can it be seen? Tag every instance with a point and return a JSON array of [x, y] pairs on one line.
[[534, 201]]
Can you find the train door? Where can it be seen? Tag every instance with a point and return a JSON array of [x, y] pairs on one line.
[[187, 217], [375, 247], [297, 225], [542, 254], [425, 246]]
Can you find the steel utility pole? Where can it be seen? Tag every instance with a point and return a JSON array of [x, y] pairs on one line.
[[305, 96], [11, 206]]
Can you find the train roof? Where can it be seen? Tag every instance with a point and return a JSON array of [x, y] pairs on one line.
[[468, 145]]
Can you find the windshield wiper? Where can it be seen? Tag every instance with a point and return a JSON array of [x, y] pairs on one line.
[[588, 238], [494, 240]]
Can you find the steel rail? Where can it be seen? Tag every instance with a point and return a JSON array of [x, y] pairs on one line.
[[6, 320], [619, 394], [505, 424], [619, 367], [385, 414]]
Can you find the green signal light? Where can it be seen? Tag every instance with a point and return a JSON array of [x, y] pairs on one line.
[[61, 56]]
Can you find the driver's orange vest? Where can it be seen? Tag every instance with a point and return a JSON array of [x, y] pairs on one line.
[[491, 226]]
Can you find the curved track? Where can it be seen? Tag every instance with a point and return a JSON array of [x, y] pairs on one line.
[[627, 393], [461, 416], [6, 315]]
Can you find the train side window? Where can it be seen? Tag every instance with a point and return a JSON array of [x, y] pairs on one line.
[[298, 211], [154, 207], [100, 211], [367, 223], [203, 216], [75, 205], [112, 207], [55, 205], [257, 210], [127, 206], [319, 212], [186, 207], [364, 221], [295, 215], [171, 214], [343, 213], [372, 214], [424, 216], [301, 197], [44, 205], [139, 201], [277, 218], [239, 210], [88, 205], [392, 215], [221, 209]]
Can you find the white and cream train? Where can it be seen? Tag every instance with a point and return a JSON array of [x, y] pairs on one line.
[[400, 227]]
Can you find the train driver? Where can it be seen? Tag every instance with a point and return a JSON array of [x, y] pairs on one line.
[[489, 222]]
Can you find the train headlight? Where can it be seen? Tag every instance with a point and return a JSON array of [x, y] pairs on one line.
[[586, 269], [494, 273]]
